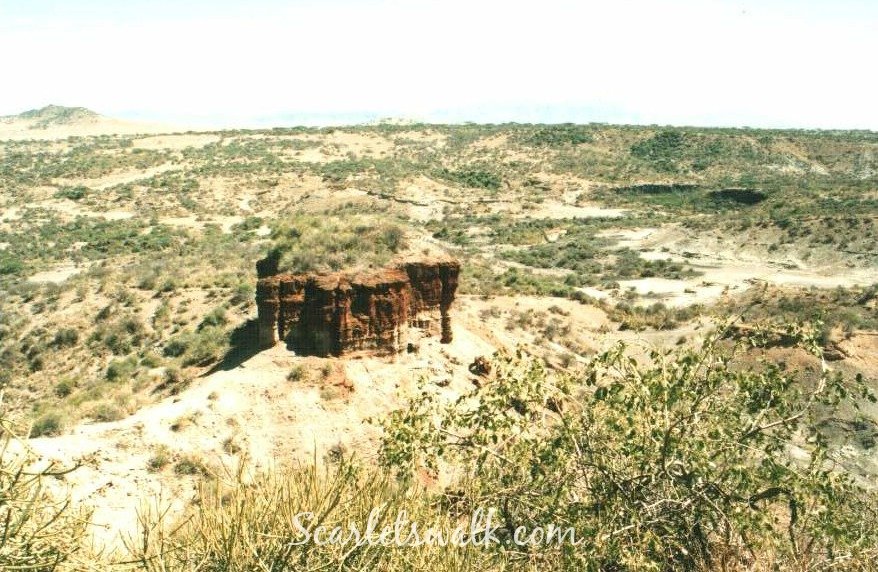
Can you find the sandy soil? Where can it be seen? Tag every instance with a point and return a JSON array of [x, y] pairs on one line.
[[175, 142], [560, 210], [72, 209], [434, 138], [271, 420], [337, 145], [491, 143], [119, 177], [255, 407], [56, 275], [199, 222], [253, 411], [862, 350], [22, 129], [10, 214], [724, 267], [426, 199]]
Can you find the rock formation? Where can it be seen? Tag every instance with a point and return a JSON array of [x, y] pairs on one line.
[[333, 314]]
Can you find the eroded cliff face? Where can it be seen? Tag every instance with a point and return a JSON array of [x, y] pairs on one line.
[[334, 314]]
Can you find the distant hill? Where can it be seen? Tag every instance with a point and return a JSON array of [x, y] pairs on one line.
[[57, 115], [59, 122]]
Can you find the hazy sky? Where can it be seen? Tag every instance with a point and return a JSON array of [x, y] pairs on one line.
[[773, 63]]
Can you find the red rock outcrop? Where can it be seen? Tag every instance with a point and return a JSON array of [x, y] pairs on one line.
[[333, 314]]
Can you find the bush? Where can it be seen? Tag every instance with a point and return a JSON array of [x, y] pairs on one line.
[[306, 243], [248, 224], [680, 464], [159, 460], [151, 359], [243, 293], [657, 316], [296, 374], [47, 425], [198, 348], [216, 317], [177, 346], [65, 338], [73, 193], [191, 466], [122, 336], [206, 346], [393, 237], [558, 135], [472, 177], [663, 145], [64, 388], [106, 412], [121, 370], [10, 264]]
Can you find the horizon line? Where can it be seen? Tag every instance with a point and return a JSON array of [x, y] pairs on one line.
[[325, 119]]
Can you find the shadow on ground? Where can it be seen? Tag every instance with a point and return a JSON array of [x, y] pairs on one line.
[[243, 344]]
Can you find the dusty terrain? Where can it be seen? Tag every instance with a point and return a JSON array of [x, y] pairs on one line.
[[55, 124], [127, 258]]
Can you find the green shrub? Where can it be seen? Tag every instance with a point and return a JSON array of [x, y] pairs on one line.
[[121, 336], [10, 264], [663, 145], [657, 316], [249, 223], [242, 293], [151, 359], [207, 345], [472, 177], [201, 347], [557, 135], [159, 459], [679, 463], [106, 412], [64, 388], [298, 373], [73, 193], [307, 243], [177, 346], [216, 317], [393, 237], [65, 338], [121, 369], [47, 425], [190, 465]]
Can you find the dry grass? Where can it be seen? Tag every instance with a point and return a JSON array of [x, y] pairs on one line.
[[38, 531], [253, 524]]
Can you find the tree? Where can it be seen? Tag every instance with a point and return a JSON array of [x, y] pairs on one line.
[[684, 462]]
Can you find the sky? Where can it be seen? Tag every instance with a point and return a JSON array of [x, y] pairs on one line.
[[768, 63]]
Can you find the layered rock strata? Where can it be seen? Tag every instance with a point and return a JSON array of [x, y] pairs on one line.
[[334, 314]]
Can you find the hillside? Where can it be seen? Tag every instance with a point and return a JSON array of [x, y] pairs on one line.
[[55, 115], [58, 122], [128, 253]]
